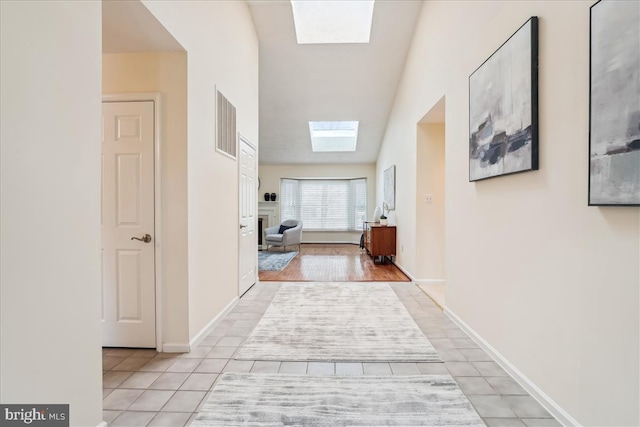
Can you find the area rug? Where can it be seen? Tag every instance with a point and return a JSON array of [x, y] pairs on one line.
[[274, 261], [334, 322], [268, 400]]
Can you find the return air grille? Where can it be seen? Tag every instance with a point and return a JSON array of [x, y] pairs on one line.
[[225, 126]]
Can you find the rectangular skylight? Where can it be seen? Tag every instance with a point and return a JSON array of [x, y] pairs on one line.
[[331, 21], [333, 136]]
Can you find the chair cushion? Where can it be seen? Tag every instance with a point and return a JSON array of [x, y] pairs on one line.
[[274, 237], [284, 228]]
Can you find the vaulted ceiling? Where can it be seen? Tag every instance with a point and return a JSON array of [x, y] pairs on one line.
[[128, 27], [300, 83]]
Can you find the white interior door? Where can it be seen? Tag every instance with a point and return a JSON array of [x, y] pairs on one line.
[[128, 265], [247, 208]]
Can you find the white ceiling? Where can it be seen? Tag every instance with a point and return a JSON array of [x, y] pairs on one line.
[[128, 26], [328, 82]]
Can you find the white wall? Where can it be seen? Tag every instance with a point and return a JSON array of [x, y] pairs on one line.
[[270, 176], [222, 51], [549, 282], [165, 73], [50, 334]]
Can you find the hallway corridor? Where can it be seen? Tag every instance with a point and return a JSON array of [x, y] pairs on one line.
[[143, 387]]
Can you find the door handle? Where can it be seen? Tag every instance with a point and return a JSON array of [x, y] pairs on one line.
[[146, 238], [243, 226]]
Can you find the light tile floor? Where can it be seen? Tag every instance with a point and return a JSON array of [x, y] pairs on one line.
[[146, 388]]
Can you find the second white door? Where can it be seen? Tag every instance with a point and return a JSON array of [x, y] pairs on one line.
[[128, 254], [247, 206]]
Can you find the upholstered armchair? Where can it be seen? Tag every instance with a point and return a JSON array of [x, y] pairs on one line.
[[288, 233]]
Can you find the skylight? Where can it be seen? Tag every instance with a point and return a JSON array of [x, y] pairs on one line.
[[331, 21], [333, 136]]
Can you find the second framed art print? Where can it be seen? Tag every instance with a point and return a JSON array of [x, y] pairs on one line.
[[614, 120], [503, 108]]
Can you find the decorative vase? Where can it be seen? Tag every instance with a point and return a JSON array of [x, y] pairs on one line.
[[383, 221], [273, 197], [376, 214], [266, 197]]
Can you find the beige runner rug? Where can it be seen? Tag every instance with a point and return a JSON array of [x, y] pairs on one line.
[[363, 322]]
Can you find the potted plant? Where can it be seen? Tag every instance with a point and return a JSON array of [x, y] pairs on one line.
[[383, 217]]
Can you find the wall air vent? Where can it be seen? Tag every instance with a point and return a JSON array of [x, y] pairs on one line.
[[226, 142]]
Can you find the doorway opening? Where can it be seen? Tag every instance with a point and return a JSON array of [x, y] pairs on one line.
[[140, 60], [430, 203]]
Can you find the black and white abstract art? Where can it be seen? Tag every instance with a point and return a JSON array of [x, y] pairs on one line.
[[503, 108], [614, 135], [389, 177]]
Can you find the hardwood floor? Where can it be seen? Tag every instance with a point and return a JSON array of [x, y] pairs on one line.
[[333, 263]]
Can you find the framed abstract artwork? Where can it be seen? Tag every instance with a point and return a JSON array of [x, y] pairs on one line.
[[614, 104], [389, 178], [503, 108]]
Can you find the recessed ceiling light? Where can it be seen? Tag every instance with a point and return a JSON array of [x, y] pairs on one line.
[[333, 136], [331, 21]]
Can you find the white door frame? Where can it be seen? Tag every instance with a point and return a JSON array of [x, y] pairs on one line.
[[241, 139], [157, 233]]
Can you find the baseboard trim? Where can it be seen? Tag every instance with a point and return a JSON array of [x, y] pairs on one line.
[[429, 281], [212, 324], [404, 270], [431, 297], [418, 281], [173, 347], [547, 402]]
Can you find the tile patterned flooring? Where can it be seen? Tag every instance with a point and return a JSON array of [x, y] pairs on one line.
[[146, 388]]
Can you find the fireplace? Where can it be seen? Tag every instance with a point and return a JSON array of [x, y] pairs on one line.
[[260, 233], [263, 224], [267, 217]]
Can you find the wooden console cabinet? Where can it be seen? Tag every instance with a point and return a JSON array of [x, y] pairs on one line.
[[380, 240]]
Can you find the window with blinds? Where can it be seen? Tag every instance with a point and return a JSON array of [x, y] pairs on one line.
[[225, 126], [325, 204]]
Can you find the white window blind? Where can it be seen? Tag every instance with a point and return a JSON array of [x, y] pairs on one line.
[[359, 201], [325, 204]]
